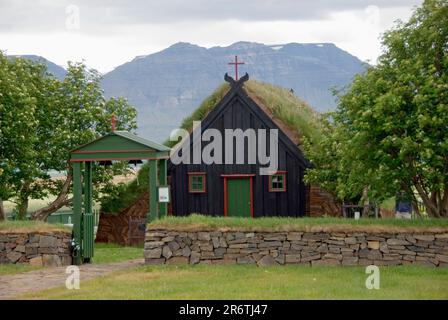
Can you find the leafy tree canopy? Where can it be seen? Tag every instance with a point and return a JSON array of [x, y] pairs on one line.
[[41, 120], [390, 131]]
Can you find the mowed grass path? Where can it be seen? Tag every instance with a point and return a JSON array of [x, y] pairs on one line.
[[250, 282]]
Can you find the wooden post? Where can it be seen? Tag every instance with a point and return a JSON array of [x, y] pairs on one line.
[[77, 210], [164, 182], [87, 221], [153, 183], [88, 187]]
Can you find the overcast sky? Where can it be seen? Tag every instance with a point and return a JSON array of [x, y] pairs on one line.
[[108, 33]]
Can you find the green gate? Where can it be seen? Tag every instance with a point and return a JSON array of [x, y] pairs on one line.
[[119, 146]]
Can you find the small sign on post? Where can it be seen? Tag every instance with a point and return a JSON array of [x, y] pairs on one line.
[[164, 194]]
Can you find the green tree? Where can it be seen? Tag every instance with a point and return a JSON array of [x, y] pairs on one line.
[[64, 115], [391, 125], [21, 83]]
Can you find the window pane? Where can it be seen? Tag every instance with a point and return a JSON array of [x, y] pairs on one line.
[[277, 182], [197, 183]]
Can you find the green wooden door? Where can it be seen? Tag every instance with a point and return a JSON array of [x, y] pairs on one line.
[[238, 197]]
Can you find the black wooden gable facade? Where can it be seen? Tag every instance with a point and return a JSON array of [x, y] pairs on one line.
[[239, 189]]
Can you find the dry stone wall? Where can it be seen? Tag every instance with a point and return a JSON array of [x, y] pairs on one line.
[[308, 248], [39, 249]]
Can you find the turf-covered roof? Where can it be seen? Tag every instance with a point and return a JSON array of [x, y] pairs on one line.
[[289, 112]]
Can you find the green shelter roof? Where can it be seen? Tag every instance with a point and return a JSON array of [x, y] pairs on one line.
[[143, 141], [119, 145]]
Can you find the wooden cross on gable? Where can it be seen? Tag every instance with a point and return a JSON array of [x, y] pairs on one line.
[[236, 63]]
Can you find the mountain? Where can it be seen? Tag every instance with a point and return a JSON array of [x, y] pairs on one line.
[[56, 70], [168, 85]]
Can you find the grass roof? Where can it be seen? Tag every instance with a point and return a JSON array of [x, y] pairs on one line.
[[282, 105], [9, 226], [197, 222]]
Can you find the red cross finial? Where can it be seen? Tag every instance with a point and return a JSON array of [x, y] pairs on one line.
[[236, 63], [113, 121]]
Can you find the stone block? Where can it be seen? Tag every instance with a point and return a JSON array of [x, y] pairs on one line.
[[173, 245], [48, 250], [375, 245], [374, 255], [350, 261], [294, 236], [322, 248], [177, 260], [36, 261], [269, 244], [442, 258], [424, 237], [186, 251], [153, 253], [350, 240], [20, 248], [365, 262], [397, 242], [292, 258], [334, 249], [13, 256], [281, 258], [245, 260], [47, 241], [275, 237], [267, 261], [310, 258], [30, 251], [195, 257], [154, 244], [333, 256], [166, 252], [204, 236], [51, 260]]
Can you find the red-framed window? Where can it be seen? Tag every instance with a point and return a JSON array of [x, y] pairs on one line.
[[196, 182], [277, 182]]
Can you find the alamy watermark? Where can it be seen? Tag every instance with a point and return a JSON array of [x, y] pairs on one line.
[[227, 149], [72, 17], [373, 280], [73, 280]]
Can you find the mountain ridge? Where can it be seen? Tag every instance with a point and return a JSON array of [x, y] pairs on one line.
[[167, 85]]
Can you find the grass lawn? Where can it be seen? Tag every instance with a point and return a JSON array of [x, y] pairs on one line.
[[109, 253], [8, 269], [250, 282], [197, 222]]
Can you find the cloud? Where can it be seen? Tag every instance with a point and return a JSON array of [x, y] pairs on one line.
[[113, 32], [97, 16]]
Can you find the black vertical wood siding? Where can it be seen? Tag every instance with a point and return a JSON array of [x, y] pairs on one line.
[[237, 110]]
